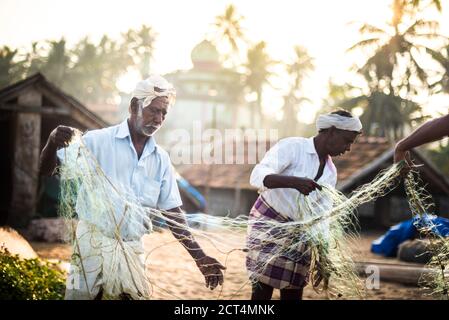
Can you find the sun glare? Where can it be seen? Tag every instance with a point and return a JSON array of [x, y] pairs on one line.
[[128, 81]]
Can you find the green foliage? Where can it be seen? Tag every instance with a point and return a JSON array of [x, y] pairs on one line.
[[376, 105], [29, 279], [257, 75], [393, 74], [297, 70], [87, 70], [9, 70]]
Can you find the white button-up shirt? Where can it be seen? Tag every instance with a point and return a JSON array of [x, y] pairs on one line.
[[294, 156], [151, 179]]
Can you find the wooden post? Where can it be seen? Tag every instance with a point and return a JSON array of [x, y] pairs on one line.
[[25, 175], [405, 273]]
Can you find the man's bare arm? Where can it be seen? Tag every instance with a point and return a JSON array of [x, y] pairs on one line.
[[303, 185], [430, 131], [209, 267], [179, 228]]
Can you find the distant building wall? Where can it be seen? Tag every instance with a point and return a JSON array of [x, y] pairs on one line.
[[222, 202], [30, 109]]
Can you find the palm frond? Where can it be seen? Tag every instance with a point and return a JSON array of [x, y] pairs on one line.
[[429, 36], [353, 102], [421, 24], [364, 43], [439, 57], [436, 3], [422, 75], [371, 29]]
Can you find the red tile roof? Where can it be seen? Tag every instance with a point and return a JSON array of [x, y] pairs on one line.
[[364, 151]]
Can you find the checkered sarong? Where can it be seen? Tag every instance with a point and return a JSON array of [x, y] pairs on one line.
[[287, 271]]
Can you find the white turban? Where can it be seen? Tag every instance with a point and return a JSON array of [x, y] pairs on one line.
[[145, 89], [325, 121]]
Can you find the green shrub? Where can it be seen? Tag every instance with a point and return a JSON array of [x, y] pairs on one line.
[[29, 279]]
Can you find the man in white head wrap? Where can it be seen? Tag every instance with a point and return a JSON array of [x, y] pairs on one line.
[[289, 172], [129, 156]]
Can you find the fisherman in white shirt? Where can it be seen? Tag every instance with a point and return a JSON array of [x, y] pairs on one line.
[[130, 158], [292, 167]]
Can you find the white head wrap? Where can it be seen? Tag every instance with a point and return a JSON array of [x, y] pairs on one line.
[[325, 121], [145, 89]]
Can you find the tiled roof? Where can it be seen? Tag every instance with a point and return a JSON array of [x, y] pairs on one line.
[[364, 151]]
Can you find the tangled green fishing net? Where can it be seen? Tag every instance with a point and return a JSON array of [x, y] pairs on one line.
[[106, 222]]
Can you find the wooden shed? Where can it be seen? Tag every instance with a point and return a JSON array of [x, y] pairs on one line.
[[29, 111]]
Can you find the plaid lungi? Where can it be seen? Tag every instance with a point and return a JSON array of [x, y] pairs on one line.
[[266, 261]]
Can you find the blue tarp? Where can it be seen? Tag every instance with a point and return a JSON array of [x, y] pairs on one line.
[[193, 194], [388, 244]]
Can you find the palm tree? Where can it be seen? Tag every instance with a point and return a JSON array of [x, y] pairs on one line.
[[57, 63], [385, 114], [229, 31], [339, 94], [442, 57], [257, 76], [86, 71], [296, 71], [10, 69], [392, 68], [97, 69], [141, 47], [391, 47], [34, 59]]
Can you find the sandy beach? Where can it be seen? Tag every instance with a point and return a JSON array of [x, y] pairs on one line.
[[174, 275]]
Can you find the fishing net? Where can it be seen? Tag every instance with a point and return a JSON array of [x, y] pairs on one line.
[[436, 280], [326, 223], [105, 224]]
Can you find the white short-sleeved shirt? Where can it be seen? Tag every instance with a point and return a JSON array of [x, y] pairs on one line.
[[294, 156], [150, 179]]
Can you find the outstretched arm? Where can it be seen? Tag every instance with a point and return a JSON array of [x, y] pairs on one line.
[[430, 131], [209, 267]]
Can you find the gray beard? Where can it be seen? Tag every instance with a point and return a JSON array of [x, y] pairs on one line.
[[145, 132]]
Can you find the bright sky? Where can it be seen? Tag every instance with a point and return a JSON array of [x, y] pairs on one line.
[[320, 25]]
